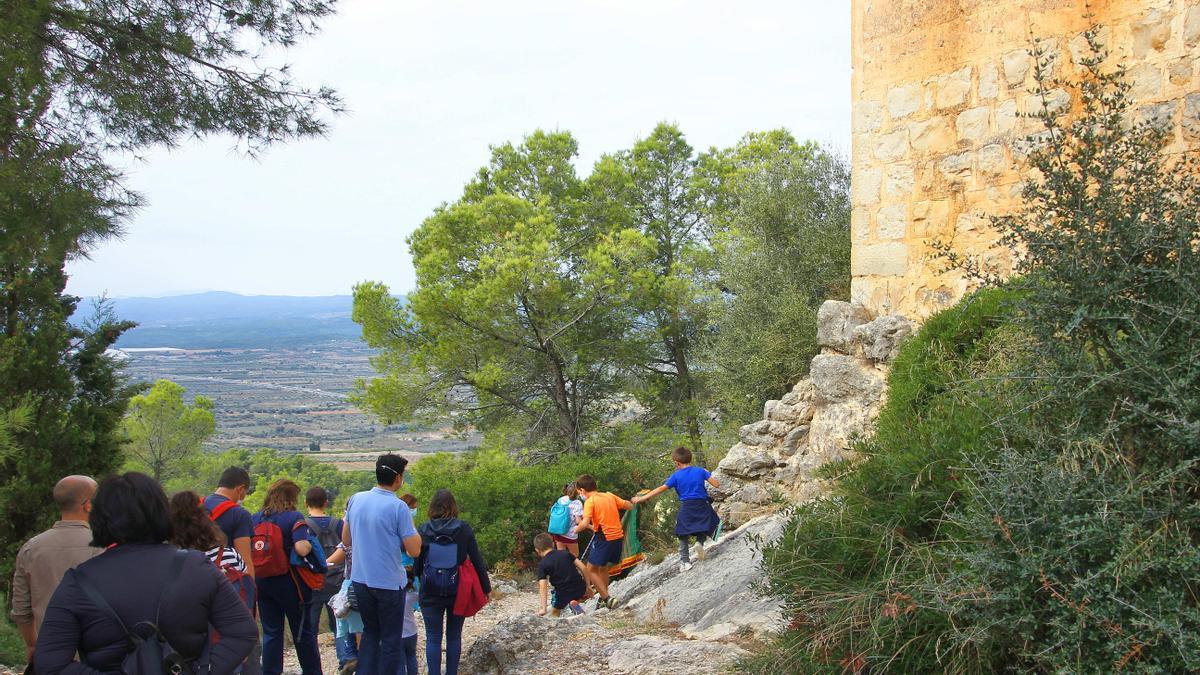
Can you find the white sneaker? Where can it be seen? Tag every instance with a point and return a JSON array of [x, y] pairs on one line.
[[683, 567]]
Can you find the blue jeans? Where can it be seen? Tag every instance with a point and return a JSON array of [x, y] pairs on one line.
[[380, 652], [410, 655], [281, 598], [434, 616], [347, 648]]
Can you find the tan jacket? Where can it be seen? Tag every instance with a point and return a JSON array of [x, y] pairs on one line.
[[41, 564]]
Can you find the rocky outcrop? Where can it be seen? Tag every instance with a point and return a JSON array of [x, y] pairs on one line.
[[527, 643], [717, 598], [776, 459]]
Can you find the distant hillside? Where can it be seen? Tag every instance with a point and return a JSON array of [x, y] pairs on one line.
[[220, 320]]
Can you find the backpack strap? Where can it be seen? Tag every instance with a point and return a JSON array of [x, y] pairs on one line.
[[97, 598], [221, 509], [317, 530]]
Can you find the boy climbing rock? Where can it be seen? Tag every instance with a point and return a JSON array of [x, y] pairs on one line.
[[561, 570], [601, 514], [696, 517]]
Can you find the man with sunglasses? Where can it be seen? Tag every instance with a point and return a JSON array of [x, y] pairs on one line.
[[43, 560]]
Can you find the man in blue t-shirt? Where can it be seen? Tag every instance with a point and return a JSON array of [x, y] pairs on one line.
[[225, 505], [383, 527], [696, 517]]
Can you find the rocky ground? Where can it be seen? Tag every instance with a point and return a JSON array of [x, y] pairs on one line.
[[508, 636]]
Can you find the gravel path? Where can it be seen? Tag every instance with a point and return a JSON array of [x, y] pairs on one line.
[[507, 605]]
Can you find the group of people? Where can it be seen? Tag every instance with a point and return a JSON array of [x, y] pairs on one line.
[[573, 577], [201, 575]]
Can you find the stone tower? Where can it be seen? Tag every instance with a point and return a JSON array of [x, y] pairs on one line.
[[939, 87]]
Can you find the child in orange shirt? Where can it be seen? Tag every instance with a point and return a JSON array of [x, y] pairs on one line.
[[601, 514]]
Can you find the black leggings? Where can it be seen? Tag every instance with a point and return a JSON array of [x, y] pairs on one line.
[[683, 546]]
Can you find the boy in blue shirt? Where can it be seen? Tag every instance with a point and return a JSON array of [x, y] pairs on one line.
[[696, 516]]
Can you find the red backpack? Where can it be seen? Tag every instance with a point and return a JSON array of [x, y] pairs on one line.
[[267, 550]]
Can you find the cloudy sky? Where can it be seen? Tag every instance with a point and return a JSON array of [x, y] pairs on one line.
[[430, 85]]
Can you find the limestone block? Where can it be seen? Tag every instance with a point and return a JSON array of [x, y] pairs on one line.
[[990, 159], [1191, 118], [972, 125], [899, 181], [954, 88], [989, 82], [892, 222], [778, 430], [1056, 101], [1080, 49], [931, 134], [930, 218], [864, 188], [753, 493], [1016, 66], [970, 223], [891, 145], [1180, 72], [758, 433], [836, 321], [839, 378], [768, 408], [789, 414], [794, 441], [890, 259], [868, 116], [956, 167], [747, 461], [1006, 116], [1150, 33], [880, 339], [1161, 116], [860, 225], [1145, 81], [1191, 26], [904, 100], [804, 390]]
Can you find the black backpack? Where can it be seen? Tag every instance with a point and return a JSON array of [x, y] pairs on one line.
[[334, 574], [149, 651]]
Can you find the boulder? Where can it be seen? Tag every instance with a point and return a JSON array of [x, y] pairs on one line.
[[503, 648], [836, 321], [718, 597], [652, 654], [880, 339], [753, 493], [747, 461], [839, 378], [758, 433], [795, 439]]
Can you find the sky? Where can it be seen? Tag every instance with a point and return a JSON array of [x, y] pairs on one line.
[[430, 85]]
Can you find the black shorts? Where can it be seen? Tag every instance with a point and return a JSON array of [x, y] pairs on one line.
[[605, 552], [564, 596]]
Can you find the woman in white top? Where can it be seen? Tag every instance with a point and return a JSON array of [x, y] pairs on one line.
[[570, 540]]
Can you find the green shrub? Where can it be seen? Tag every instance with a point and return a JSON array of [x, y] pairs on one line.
[[853, 568]]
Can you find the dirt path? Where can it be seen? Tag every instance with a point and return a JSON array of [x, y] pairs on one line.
[[509, 604]]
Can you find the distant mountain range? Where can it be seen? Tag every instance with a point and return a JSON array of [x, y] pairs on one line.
[[220, 320]]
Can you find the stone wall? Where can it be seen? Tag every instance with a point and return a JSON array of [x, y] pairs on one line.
[[776, 459], [939, 87]]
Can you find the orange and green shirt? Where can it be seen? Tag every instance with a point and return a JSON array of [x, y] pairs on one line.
[[603, 508]]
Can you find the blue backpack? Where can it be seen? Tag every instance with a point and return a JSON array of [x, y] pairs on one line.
[[439, 577], [560, 518]]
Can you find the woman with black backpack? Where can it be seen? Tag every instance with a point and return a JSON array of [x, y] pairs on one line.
[[446, 544], [142, 601]]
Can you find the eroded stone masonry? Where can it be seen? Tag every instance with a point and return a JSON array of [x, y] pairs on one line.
[[939, 87], [939, 90]]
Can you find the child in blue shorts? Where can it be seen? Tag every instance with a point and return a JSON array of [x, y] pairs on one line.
[[696, 515]]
